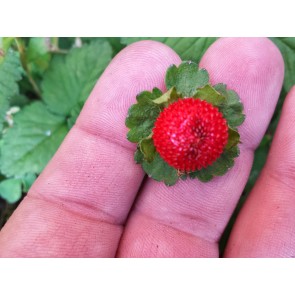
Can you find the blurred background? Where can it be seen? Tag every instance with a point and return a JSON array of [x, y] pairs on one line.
[[44, 83]]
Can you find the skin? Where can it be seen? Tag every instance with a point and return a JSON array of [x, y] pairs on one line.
[[92, 200]]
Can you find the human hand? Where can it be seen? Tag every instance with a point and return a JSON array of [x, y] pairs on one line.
[[92, 199]]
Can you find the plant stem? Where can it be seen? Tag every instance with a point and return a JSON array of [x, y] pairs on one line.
[[21, 49]]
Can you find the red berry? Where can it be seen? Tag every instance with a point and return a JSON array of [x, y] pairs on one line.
[[190, 134]]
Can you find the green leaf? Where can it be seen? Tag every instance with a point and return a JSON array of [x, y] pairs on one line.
[[10, 73], [115, 42], [209, 94], [186, 78], [188, 48], [10, 190], [232, 109], [70, 79], [38, 55], [141, 117], [32, 141], [159, 170], [148, 149], [19, 100]]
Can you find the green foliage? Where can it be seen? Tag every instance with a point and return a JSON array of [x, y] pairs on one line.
[[35, 129], [10, 190], [70, 78], [29, 145]]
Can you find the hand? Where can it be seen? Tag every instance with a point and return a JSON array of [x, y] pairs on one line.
[[92, 199]]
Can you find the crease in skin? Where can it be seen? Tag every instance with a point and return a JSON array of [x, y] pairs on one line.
[[102, 216], [107, 138]]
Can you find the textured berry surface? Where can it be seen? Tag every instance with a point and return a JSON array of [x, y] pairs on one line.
[[190, 134]]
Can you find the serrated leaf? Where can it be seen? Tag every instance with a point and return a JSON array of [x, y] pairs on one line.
[[233, 138], [159, 170], [32, 141], [187, 78], [148, 149], [10, 190], [188, 48], [209, 94], [233, 109], [70, 79], [141, 117]]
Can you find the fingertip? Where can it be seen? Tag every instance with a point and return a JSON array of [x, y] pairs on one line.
[[138, 67], [254, 68]]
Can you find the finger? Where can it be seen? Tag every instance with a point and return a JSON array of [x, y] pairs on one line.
[[78, 205], [265, 226], [188, 219]]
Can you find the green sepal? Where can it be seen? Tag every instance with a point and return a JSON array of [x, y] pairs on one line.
[[142, 116], [210, 94], [219, 167], [167, 98], [186, 78], [159, 170], [148, 149], [232, 110]]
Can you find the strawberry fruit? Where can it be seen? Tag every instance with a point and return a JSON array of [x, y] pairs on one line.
[[190, 134]]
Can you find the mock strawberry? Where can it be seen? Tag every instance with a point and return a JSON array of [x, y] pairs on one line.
[[190, 134]]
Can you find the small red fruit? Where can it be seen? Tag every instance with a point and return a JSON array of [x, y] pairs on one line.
[[190, 134]]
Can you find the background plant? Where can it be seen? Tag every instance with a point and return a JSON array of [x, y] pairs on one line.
[[44, 83]]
